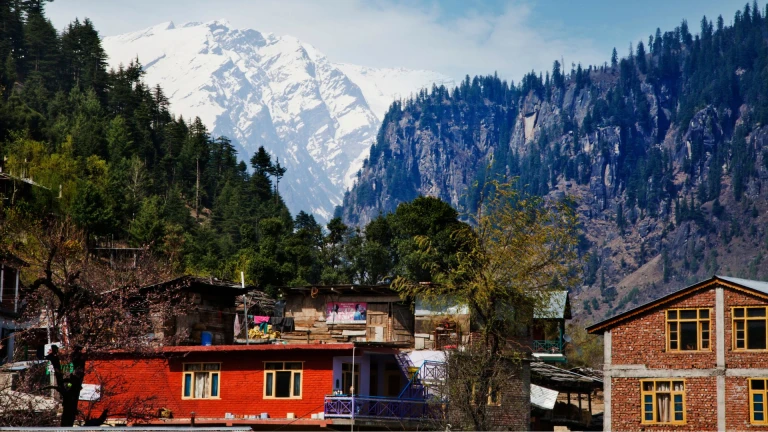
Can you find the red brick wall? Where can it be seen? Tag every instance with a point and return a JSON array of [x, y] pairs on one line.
[[741, 359], [241, 384], [700, 405], [643, 339]]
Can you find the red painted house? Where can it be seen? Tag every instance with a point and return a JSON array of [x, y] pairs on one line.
[[208, 382], [337, 362], [696, 359]]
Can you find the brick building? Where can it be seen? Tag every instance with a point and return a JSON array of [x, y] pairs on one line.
[[696, 359]]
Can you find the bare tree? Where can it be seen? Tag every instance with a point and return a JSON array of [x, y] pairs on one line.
[[94, 308]]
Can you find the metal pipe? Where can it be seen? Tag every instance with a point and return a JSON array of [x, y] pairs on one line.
[[352, 425], [245, 308]]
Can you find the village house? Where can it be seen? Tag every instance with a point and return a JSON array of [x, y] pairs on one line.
[[322, 356], [695, 359], [318, 357]]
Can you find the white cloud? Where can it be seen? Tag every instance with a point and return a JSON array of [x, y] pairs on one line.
[[370, 33]]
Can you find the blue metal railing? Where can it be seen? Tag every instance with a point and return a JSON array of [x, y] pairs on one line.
[[376, 407]]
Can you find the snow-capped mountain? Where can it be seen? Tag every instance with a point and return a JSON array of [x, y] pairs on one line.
[[319, 118]]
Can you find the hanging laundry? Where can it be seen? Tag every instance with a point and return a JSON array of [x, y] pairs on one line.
[[260, 319], [237, 324], [282, 324]]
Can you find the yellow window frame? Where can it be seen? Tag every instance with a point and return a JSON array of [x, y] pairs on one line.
[[653, 394], [294, 372], [494, 397], [190, 374], [703, 329], [744, 319], [763, 394]]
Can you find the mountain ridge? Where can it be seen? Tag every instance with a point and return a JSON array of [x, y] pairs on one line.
[[275, 91], [664, 151]]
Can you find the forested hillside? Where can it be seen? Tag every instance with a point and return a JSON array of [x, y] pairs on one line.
[[105, 150], [664, 150], [125, 168]]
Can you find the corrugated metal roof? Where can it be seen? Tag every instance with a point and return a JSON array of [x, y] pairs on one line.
[[557, 307], [542, 397], [747, 283]]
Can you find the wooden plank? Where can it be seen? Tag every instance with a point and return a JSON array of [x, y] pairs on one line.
[[353, 333]]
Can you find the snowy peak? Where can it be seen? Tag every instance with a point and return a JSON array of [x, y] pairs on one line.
[[319, 117]]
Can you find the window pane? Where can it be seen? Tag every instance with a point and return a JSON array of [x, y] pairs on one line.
[[678, 399], [687, 314], [649, 416], [673, 326], [757, 397], [678, 416], [297, 384], [672, 314], [757, 384], [283, 384], [673, 345], [211, 366], [678, 386], [756, 312], [704, 313], [215, 385], [738, 312], [688, 336], [201, 385], [758, 407], [293, 366], [270, 383], [273, 366], [756, 334], [192, 367], [187, 385], [759, 416], [648, 386]]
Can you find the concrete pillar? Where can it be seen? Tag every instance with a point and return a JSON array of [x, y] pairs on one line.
[[720, 348], [607, 380]]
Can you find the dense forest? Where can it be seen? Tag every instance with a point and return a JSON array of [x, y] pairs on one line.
[[665, 151], [106, 150]]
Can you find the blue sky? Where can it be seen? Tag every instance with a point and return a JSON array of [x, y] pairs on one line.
[[455, 37]]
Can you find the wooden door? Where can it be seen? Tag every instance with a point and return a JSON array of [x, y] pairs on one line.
[[376, 322], [403, 323]]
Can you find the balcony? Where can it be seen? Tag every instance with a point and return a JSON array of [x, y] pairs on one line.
[[549, 350], [370, 407]]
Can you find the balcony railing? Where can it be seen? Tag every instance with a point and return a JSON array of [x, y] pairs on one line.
[[548, 346], [381, 408]]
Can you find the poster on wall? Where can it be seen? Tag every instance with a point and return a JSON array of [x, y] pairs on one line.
[[349, 313]]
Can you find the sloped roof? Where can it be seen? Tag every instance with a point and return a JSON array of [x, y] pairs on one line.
[[751, 284], [754, 287], [559, 307], [544, 374]]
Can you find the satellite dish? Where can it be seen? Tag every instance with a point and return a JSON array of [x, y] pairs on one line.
[[567, 339]]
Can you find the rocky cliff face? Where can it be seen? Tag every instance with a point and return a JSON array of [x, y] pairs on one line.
[[666, 195]]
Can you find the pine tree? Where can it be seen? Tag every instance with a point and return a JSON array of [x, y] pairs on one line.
[[614, 58], [640, 58]]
